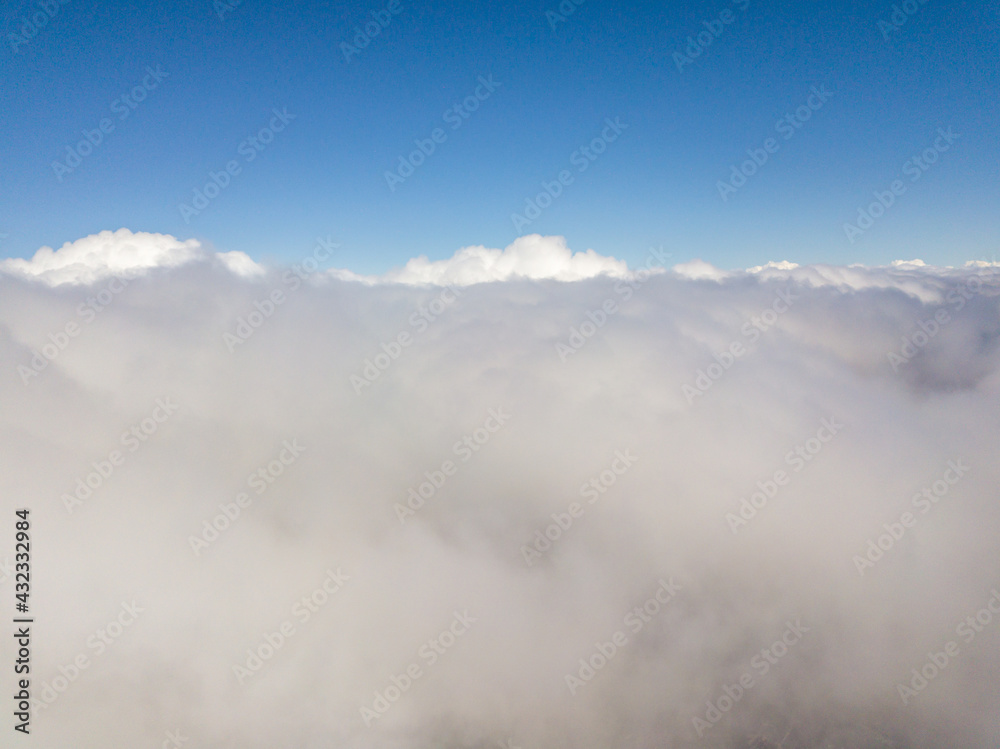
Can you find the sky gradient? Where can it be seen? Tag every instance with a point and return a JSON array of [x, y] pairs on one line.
[[223, 72]]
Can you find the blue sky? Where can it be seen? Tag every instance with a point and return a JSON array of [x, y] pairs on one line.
[[348, 122]]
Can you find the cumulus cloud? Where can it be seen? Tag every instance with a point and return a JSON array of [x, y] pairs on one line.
[[102, 255], [685, 508], [109, 253], [531, 256]]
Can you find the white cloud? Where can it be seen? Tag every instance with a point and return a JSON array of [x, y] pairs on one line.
[[532, 256], [103, 255], [493, 346], [240, 263], [108, 253], [700, 270]]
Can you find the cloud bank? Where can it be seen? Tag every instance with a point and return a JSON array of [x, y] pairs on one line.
[[110, 253], [690, 507], [121, 252]]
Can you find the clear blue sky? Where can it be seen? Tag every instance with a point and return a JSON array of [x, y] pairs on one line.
[[656, 184]]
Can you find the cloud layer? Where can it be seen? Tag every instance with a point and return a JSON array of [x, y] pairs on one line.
[[110, 253], [279, 508]]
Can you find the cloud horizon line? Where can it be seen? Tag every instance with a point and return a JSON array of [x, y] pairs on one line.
[[531, 257]]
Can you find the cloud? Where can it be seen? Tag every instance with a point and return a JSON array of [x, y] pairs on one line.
[[108, 253], [708, 476], [103, 255], [534, 257], [531, 256]]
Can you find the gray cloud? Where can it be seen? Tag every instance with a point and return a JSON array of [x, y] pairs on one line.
[[332, 509]]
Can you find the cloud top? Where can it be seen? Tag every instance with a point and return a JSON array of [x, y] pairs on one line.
[[550, 514], [102, 255], [113, 253], [531, 257]]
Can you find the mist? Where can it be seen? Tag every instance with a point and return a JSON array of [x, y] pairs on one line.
[[525, 496]]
